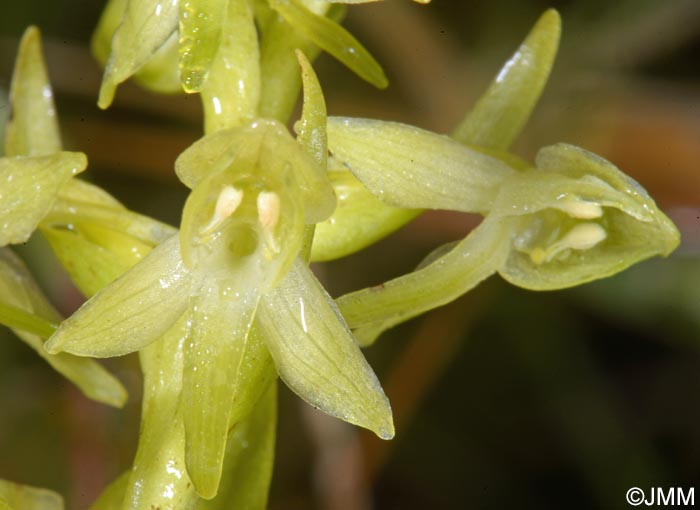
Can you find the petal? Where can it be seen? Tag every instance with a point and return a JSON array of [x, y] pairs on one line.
[[409, 167], [68, 211], [249, 459], [316, 355], [30, 186], [214, 353], [372, 310], [279, 70], [311, 128], [18, 289], [237, 61], [77, 190], [333, 38], [33, 128], [500, 114], [131, 312], [25, 497], [200, 35], [529, 192], [576, 162], [627, 242], [160, 74], [90, 266], [158, 478], [242, 221], [359, 220], [145, 27], [266, 149], [579, 218]]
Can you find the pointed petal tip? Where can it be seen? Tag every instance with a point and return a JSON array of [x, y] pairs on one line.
[[549, 21], [52, 346], [386, 430], [32, 33], [107, 91]]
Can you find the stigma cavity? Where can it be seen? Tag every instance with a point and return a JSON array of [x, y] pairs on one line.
[[582, 237]]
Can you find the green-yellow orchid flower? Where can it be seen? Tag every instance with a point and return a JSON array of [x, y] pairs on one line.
[[570, 219], [235, 262], [166, 41], [37, 180]]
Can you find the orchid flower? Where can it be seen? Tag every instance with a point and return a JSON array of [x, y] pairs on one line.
[[37, 179], [202, 45], [571, 218], [234, 279]]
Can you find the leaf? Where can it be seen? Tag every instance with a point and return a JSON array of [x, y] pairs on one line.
[[200, 35], [501, 112], [221, 321], [19, 290], [333, 38], [30, 186], [249, 459], [316, 355], [237, 61], [146, 26], [131, 312], [25, 497], [158, 477], [371, 311], [33, 128], [359, 220], [408, 167]]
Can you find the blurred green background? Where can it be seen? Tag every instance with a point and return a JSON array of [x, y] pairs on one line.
[[502, 399]]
